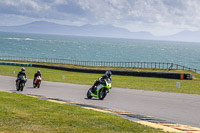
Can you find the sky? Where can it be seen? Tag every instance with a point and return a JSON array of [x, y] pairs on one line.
[[159, 17]]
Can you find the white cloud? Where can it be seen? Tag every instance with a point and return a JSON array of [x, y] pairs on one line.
[[31, 4], [156, 16]]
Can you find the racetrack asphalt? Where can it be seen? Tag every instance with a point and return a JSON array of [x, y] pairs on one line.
[[172, 107]]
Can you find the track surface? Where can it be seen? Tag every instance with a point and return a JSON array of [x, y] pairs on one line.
[[176, 108]]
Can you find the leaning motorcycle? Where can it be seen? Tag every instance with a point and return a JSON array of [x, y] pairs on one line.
[[21, 83], [100, 90], [37, 82]]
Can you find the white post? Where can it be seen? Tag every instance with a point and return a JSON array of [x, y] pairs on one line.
[[63, 77], [178, 84], [13, 72]]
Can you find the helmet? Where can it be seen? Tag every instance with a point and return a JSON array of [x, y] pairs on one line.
[[38, 71], [23, 69], [108, 73]]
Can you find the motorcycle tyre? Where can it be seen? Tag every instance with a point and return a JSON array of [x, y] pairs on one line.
[[89, 94], [101, 97], [34, 86], [21, 86], [17, 88], [38, 85]]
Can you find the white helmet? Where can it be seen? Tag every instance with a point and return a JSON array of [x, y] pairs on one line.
[[108, 73]]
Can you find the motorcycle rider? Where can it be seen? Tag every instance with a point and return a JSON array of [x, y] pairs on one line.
[[36, 75], [100, 79], [21, 73]]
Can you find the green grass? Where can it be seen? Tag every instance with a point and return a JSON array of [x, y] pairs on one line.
[[131, 82], [19, 113]]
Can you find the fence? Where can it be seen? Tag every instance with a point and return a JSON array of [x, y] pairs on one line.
[[151, 65]]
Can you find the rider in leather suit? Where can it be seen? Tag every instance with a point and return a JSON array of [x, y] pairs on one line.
[[100, 79]]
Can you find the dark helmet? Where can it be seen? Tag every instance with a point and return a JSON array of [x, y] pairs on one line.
[[38, 71], [108, 73], [23, 69]]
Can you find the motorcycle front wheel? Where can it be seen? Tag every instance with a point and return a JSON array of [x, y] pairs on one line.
[[89, 94], [22, 86], [102, 94], [38, 84]]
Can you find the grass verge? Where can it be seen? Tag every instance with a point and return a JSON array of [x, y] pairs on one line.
[[21, 113], [131, 82]]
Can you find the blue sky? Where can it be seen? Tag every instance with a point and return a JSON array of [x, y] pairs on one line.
[[160, 17]]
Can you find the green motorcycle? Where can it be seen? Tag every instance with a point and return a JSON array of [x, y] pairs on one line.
[[101, 90], [21, 83]]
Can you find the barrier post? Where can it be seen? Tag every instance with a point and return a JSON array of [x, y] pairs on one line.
[[182, 76]]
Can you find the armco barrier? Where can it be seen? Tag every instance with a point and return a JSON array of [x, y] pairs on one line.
[[15, 64], [187, 76], [150, 65]]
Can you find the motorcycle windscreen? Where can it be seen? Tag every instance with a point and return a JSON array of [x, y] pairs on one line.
[[99, 86]]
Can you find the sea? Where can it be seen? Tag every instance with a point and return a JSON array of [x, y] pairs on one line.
[[99, 49]]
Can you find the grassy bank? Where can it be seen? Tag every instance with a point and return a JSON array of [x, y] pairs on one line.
[[132, 82], [21, 113]]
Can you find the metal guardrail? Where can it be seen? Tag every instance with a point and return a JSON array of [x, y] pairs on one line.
[[151, 65]]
